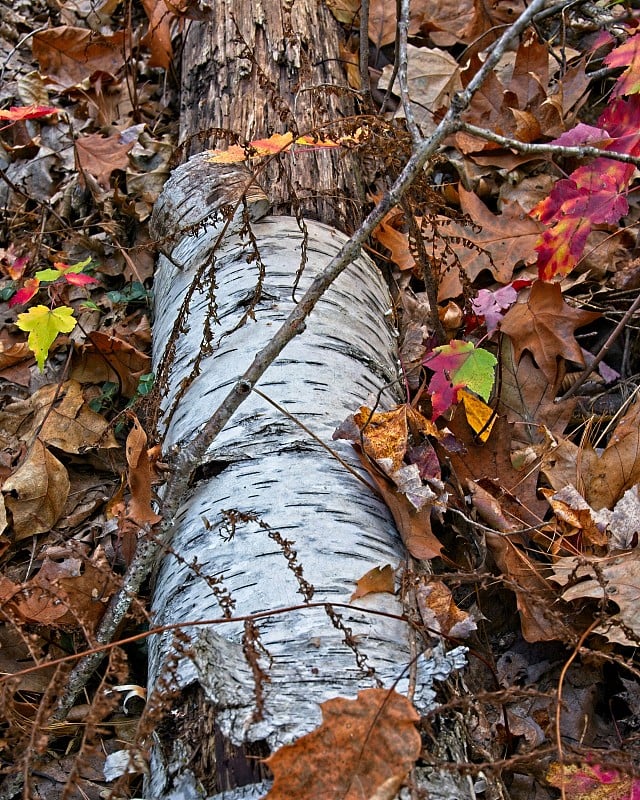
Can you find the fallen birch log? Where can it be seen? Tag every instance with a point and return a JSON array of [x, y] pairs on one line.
[[273, 520]]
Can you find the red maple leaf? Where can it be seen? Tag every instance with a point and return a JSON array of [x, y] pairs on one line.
[[594, 194], [626, 55]]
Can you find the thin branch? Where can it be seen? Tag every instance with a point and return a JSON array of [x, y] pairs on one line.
[[603, 351], [394, 74], [581, 151], [403, 62], [364, 54]]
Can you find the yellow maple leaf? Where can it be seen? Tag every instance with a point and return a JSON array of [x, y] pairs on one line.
[[43, 325], [260, 148], [479, 415]]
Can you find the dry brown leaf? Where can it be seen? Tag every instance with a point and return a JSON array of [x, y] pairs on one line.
[[363, 749], [440, 613], [528, 399], [139, 475], [15, 362], [489, 19], [447, 21], [601, 480], [540, 615], [15, 655], [36, 492], [504, 241], [490, 466], [382, 21], [386, 435], [433, 77], [413, 525], [101, 155], [71, 55], [489, 510], [616, 579], [158, 36], [545, 325], [60, 417], [608, 477], [378, 579], [398, 243], [345, 11], [108, 358], [70, 592], [579, 521]]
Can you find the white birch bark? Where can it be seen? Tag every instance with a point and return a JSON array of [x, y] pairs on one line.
[[267, 466]]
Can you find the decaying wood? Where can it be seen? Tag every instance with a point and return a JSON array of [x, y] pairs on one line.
[[272, 67]]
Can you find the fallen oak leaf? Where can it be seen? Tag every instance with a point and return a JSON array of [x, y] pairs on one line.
[[544, 325], [371, 743]]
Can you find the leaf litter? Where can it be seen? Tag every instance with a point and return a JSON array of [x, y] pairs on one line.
[[487, 470]]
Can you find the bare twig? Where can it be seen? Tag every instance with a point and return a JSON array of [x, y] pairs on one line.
[[582, 151], [403, 62], [364, 54], [394, 74], [603, 351]]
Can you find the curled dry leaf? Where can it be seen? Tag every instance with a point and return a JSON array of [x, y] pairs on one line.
[[440, 613], [36, 492], [378, 579], [409, 490], [108, 358], [140, 478], [370, 743], [70, 592], [540, 616], [616, 579], [601, 479]]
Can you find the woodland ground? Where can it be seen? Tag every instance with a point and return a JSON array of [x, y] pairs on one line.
[[538, 570]]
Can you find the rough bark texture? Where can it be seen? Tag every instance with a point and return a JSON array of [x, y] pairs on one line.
[[257, 68], [266, 691]]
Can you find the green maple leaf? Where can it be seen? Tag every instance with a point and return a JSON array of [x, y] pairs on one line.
[[43, 325], [459, 365]]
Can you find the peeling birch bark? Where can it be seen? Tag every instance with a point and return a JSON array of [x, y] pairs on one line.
[[287, 486]]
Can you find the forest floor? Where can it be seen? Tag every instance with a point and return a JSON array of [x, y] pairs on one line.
[[534, 259]]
